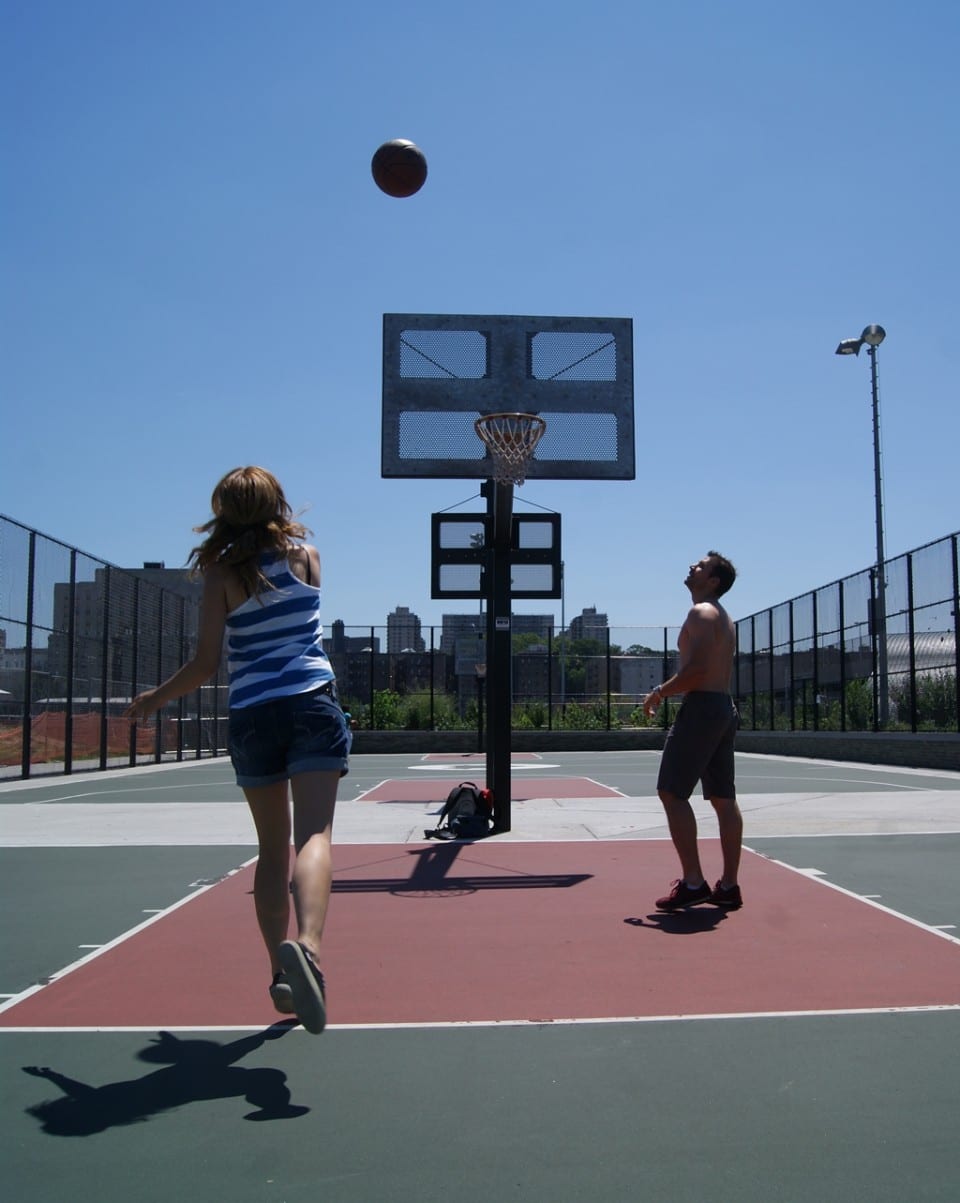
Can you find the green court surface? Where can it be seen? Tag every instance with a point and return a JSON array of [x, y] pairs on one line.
[[855, 1104]]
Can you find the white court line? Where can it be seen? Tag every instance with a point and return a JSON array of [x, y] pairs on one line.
[[371, 788], [818, 781], [14, 999], [460, 768], [867, 899], [603, 785], [459, 1024], [846, 764], [45, 780], [842, 835], [107, 795]]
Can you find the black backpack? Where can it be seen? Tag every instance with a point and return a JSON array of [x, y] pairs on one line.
[[467, 814]]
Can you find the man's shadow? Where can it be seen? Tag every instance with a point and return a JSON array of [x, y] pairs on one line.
[[194, 1070], [681, 923]]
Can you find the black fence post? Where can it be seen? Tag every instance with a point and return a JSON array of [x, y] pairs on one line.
[[26, 738], [105, 668], [843, 662], [912, 651], [134, 666], [873, 649], [955, 558], [550, 678], [753, 672], [70, 675], [158, 676], [373, 692], [182, 701], [433, 719], [771, 664], [608, 677], [793, 675]]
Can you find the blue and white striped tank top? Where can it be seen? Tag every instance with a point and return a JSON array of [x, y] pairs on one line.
[[275, 640]]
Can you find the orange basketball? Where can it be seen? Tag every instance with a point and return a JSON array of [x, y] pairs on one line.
[[399, 168]]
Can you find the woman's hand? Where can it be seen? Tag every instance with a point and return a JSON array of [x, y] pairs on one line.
[[142, 706]]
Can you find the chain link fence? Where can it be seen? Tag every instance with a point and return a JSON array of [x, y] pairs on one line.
[[830, 661], [80, 637]]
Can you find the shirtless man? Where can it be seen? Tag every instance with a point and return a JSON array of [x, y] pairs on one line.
[[699, 745]]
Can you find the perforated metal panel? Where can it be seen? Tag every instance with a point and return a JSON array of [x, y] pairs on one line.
[[442, 372]]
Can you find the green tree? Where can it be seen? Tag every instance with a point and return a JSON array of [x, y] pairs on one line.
[[386, 709]]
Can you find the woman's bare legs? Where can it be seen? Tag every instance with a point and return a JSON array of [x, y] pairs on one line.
[[271, 882], [314, 800]]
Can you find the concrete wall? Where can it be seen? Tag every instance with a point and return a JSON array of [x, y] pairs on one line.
[[929, 751]]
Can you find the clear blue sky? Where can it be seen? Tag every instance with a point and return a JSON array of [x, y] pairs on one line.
[[196, 263]]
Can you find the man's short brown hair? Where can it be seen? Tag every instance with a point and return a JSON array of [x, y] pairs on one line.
[[723, 570]]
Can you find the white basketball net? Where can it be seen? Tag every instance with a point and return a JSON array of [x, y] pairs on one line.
[[510, 439]]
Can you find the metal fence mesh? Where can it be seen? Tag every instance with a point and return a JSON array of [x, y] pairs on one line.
[[80, 637]]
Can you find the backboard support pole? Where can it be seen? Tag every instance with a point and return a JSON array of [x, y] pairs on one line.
[[500, 651]]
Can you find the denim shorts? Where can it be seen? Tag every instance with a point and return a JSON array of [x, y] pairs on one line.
[[302, 733]]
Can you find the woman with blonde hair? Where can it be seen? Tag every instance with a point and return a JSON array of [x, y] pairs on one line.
[[261, 585]]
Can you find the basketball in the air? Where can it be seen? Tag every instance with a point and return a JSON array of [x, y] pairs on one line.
[[399, 168]]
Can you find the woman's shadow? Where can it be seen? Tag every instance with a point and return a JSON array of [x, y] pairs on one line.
[[193, 1070]]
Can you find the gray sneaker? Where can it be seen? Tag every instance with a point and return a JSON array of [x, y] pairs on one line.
[[306, 986]]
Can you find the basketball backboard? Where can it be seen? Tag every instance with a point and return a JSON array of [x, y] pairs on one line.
[[442, 372]]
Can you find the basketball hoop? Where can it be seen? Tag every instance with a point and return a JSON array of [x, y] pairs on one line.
[[511, 440]]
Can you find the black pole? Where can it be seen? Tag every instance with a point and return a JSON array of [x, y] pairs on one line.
[[912, 630], [105, 667], [433, 715], [71, 652], [480, 683], [816, 665], [26, 737], [843, 662], [134, 663], [880, 616], [955, 565], [793, 675], [499, 651]]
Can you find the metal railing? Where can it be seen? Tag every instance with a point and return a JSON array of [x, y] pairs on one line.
[[79, 637], [815, 663]]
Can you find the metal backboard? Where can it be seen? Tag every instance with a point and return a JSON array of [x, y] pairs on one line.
[[441, 372], [459, 547]]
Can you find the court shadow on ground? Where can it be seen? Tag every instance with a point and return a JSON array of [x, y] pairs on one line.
[[431, 875], [681, 923], [193, 1070]]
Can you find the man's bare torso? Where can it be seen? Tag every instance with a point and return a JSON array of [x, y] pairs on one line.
[[707, 644]]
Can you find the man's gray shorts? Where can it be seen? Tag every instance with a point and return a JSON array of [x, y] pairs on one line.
[[699, 747]]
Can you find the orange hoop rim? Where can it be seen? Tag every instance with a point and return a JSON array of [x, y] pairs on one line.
[[511, 439]]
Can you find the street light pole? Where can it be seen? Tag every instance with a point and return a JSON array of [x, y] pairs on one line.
[[872, 337], [880, 618]]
